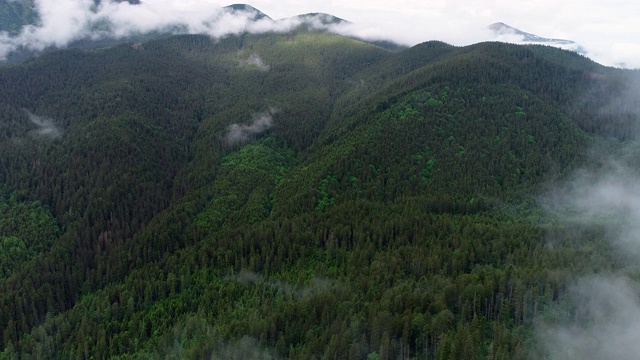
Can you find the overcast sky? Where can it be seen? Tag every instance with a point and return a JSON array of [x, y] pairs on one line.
[[609, 31]]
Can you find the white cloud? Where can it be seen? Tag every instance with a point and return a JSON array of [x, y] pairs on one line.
[[256, 61], [605, 323], [608, 31], [46, 126], [63, 21], [610, 196], [600, 318], [238, 134]]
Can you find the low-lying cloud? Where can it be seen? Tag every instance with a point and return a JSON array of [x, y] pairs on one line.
[[314, 287], [610, 197], [254, 60], [45, 126], [238, 134], [195, 333], [605, 323], [601, 314]]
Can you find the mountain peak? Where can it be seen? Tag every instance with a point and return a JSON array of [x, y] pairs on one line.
[[246, 8], [323, 18], [501, 28]]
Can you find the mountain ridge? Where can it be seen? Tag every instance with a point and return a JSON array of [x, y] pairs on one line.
[[246, 8], [501, 28], [300, 194]]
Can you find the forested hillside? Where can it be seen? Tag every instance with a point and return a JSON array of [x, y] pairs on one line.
[[300, 195]]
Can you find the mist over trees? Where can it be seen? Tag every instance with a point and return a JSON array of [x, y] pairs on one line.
[[299, 195]]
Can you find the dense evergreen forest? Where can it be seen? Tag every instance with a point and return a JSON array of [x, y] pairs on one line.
[[301, 195]]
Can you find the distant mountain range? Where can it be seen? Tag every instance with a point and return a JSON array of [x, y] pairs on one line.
[[256, 15]]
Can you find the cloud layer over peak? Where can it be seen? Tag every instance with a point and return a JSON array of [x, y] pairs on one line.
[[64, 21], [606, 32]]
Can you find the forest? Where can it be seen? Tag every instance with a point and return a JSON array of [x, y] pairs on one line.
[[299, 195]]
